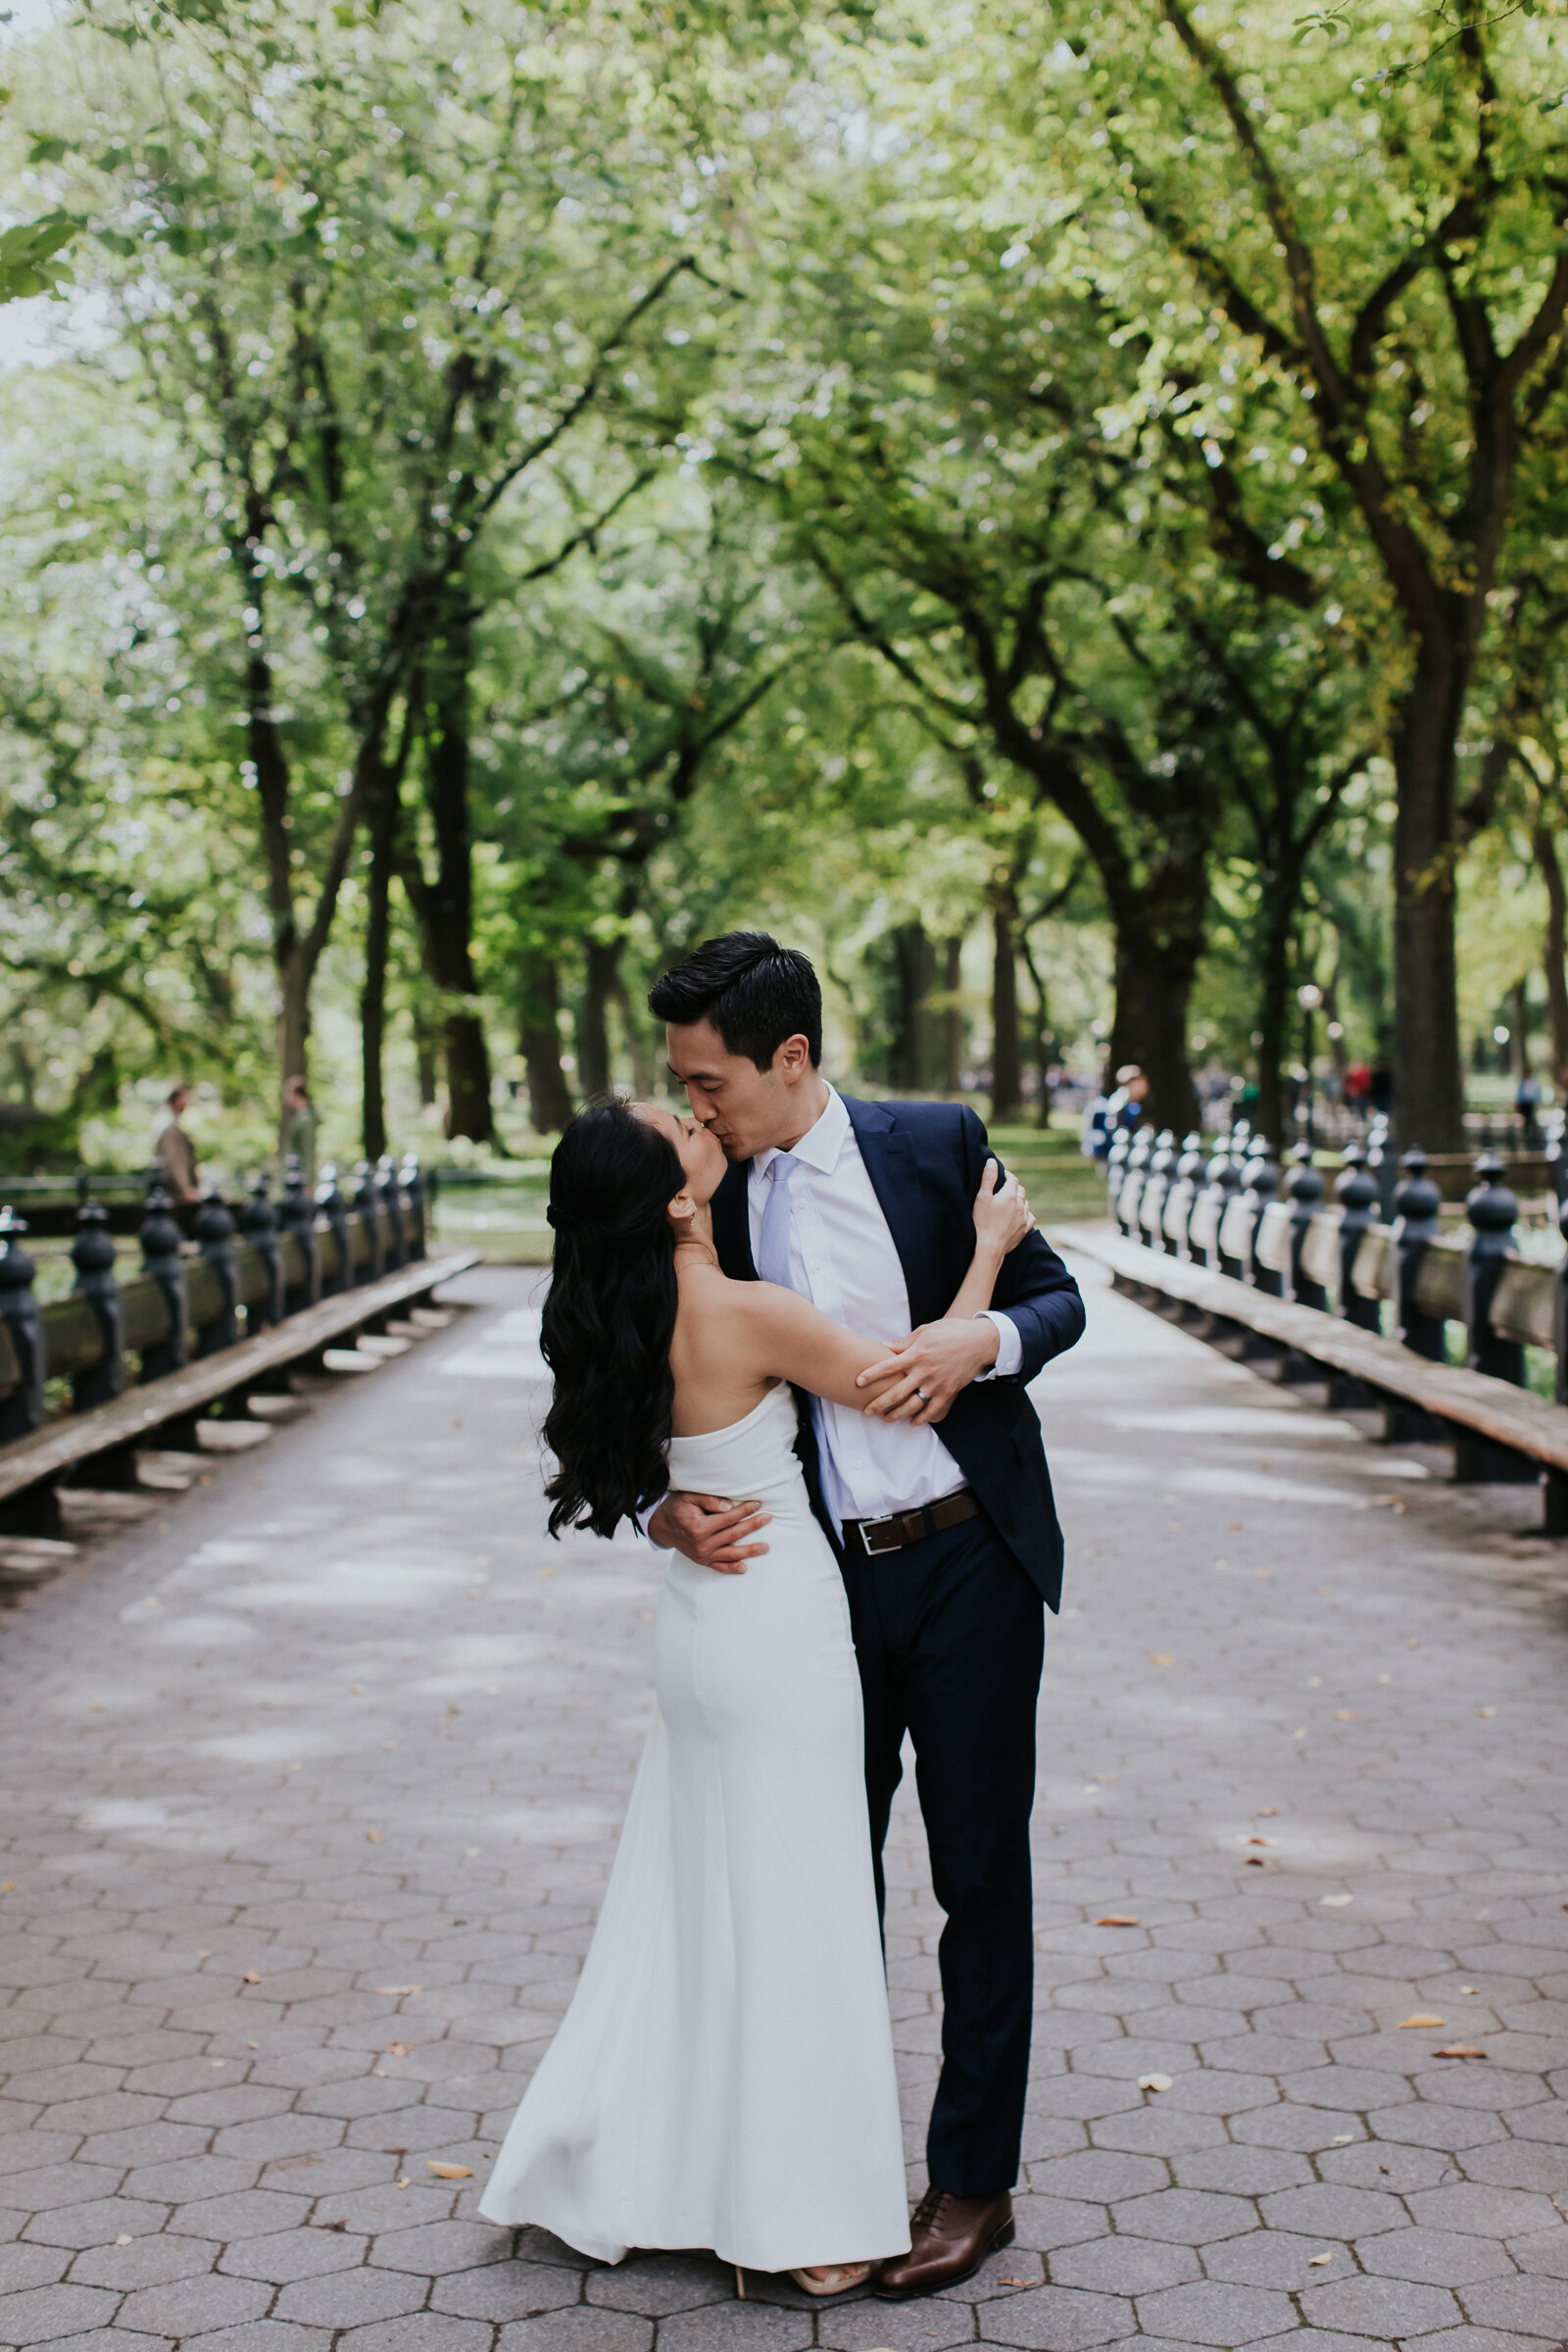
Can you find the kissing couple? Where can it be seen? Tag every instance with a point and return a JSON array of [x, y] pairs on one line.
[[790, 1335]]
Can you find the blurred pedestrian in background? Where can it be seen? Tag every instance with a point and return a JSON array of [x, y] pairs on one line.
[[299, 1127], [174, 1152]]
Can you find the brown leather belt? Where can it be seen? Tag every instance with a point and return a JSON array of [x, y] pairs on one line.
[[878, 1536]]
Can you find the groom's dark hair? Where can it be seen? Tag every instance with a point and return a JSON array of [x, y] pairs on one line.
[[755, 992]]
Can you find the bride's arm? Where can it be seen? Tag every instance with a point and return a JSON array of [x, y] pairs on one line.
[[793, 1341]]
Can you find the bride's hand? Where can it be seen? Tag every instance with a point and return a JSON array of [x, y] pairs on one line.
[[1002, 1211]]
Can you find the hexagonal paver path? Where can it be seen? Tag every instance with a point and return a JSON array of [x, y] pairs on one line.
[[312, 1783]]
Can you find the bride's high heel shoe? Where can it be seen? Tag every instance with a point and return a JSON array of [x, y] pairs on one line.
[[836, 2278]]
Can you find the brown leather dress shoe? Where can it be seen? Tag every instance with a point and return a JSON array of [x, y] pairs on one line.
[[951, 2237]]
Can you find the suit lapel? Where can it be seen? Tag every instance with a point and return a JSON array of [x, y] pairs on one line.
[[895, 1173], [732, 1228]]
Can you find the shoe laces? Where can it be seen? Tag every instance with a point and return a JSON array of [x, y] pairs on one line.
[[930, 2208]]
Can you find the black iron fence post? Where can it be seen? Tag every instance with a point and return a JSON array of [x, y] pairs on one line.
[[92, 1253], [23, 1318], [215, 1235], [297, 1221], [1357, 1193], [1262, 1186], [368, 1208], [1492, 1210], [386, 1184], [1183, 1193], [412, 1179], [259, 1224], [160, 1239], [1224, 1183], [1303, 1188], [335, 1209], [1416, 1203]]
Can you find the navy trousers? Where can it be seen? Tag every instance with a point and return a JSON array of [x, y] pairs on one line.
[[950, 1635]]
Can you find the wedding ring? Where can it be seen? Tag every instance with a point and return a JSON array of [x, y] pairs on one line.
[[924, 1399]]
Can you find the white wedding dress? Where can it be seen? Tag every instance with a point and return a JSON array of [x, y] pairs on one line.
[[723, 2078]]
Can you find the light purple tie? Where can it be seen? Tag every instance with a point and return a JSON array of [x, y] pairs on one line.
[[773, 1254]]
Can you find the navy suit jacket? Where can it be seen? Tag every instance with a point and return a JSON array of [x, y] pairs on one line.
[[925, 1161]]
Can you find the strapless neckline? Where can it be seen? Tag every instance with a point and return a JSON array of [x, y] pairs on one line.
[[696, 1436]]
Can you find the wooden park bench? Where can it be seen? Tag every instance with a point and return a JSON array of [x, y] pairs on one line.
[[218, 1333], [1299, 1290]]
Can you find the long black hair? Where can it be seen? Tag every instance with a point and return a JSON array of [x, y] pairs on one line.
[[610, 1317]]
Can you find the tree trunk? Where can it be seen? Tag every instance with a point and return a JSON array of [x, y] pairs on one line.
[[1041, 1026], [1274, 1014], [449, 899], [593, 1022], [424, 1045], [1518, 1031], [294, 1014], [1428, 1079], [539, 1041], [1006, 1073], [915, 1056], [383, 825], [1552, 872], [635, 1032], [953, 1017], [1153, 982]]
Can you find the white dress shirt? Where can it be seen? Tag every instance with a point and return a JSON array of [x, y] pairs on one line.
[[841, 1257]]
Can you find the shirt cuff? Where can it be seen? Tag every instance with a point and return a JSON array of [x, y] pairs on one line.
[[1010, 1346], [643, 1517]]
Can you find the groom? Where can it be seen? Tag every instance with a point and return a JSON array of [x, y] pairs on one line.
[[939, 1507]]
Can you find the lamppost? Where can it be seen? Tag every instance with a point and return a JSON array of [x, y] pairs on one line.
[[1309, 997]]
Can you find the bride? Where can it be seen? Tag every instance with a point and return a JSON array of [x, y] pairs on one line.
[[723, 2076]]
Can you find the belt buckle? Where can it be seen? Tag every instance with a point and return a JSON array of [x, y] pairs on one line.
[[876, 1551]]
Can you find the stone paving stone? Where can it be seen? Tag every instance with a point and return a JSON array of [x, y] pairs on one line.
[[1212, 2313], [577, 2331], [194, 2306], [393, 1540], [1057, 2319], [51, 2311]]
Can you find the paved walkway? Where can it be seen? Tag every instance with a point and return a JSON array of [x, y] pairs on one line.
[[312, 1783]]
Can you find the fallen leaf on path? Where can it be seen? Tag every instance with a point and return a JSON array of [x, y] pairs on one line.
[[10, 1887], [252, 1976], [1422, 2018], [1265, 1812], [1118, 1919], [449, 2171], [1342, 2140], [1262, 1841], [1255, 1862], [331, 2224], [1459, 2049], [1017, 2283], [1483, 1711], [125, 2241], [1162, 1657], [1345, 1714], [1335, 1902], [395, 1992], [1154, 2082], [404, 2050], [1318, 2260], [373, 1837]]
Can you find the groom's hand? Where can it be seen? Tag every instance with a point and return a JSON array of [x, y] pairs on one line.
[[932, 1366], [710, 1530]]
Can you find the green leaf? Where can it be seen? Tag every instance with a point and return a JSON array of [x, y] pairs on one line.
[[29, 263], [49, 151]]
